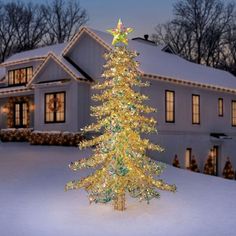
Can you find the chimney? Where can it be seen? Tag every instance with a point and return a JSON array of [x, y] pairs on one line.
[[146, 36]]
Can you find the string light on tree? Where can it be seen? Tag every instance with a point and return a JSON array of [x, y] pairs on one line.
[[120, 151]]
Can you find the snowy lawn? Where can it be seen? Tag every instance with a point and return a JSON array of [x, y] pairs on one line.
[[33, 201]]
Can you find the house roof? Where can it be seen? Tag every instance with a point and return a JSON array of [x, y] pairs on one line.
[[154, 61], [38, 53], [14, 90]]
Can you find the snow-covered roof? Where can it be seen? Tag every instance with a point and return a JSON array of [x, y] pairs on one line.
[[154, 61], [38, 53], [14, 90]]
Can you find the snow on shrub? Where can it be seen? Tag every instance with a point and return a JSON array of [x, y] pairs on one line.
[[55, 138], [15, 135]]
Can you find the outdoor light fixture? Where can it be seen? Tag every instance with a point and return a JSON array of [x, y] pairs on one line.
[[4, 110], [32, 107]]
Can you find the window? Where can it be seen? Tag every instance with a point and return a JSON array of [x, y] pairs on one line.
[[233, 113], [195, 109], [220, 107], [20, 76], [55, 107], [188, 154], [20, 114], [170, 106]]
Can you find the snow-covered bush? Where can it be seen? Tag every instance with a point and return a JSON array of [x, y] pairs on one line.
[[15, 135], [55, 138]]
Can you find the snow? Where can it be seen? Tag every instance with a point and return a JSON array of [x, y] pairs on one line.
[[38, 52], [33, 201], [154, 61]]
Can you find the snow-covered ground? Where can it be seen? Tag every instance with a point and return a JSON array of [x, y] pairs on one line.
[[33, 201]]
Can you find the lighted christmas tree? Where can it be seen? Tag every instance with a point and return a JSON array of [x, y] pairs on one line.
[[193, 165], [209, 168], [120, 152], [175, 162], [228, 171]]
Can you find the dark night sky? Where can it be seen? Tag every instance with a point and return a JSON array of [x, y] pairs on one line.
[[143, 15]]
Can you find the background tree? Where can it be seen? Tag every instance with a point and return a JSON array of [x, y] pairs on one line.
[[198, 30], [30, 26], [7, 29], [64, 18], [25, 26]]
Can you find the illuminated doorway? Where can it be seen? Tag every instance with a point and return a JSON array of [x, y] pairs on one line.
[[188, 155], [215, 158]]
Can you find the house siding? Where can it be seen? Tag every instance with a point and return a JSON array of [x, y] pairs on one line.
[[76, 112], [182, 134], [88, 55]]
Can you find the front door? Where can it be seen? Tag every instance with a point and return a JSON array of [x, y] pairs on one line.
[[20, 114]]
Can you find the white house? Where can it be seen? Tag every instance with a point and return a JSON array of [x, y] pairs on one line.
[[49, 89]]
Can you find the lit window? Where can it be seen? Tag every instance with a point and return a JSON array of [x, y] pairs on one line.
[[170, 106], [20, 114], [233, 113], [195, 109], [220, 107], [20, 76], [55, 107]]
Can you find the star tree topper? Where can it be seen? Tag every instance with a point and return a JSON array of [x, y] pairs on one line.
[[120, 33]]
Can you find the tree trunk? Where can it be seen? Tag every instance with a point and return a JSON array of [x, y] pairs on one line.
[[119, 202]]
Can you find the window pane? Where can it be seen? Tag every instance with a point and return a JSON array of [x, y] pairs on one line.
[[220, 107], [20, 76], [17, 114], [234, 113], [170, 103], [55, 107], [49, 105], [24, 113], [29, 73], [195, 109], [17, 76], [60, 114], [10, 77]]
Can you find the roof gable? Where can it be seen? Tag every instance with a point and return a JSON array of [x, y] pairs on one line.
[[59, 69], [76, 38]]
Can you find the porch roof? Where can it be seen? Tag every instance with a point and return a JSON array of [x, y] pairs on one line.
[[14, 90]]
